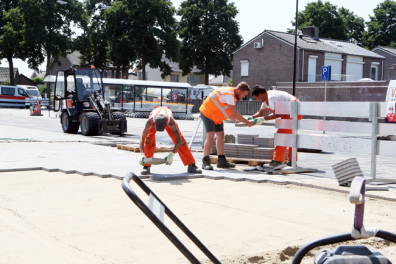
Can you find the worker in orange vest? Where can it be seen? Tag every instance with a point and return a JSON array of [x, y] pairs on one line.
[[268, 99], [161, 118], [216, 108]]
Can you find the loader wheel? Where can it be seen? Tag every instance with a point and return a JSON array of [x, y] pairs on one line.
[[67, 125], [90, 124], [118, 116]]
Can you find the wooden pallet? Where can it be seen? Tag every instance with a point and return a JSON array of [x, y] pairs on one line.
[[135, 148], [250, 162]]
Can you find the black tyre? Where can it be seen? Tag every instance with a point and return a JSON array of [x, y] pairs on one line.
[[118, 116], [90, 124], [67, 125]]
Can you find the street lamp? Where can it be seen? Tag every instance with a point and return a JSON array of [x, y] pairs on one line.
[[85, 25], [295, 51]]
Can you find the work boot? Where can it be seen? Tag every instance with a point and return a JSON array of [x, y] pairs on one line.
[[223, 163], [192, 168], [289, 163], [206, 163], [274, 163], [145, 171]]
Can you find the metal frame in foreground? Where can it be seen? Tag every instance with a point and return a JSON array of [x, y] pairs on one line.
[[161, 226]]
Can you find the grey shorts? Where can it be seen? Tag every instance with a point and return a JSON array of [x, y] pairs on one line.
[[210, 125]]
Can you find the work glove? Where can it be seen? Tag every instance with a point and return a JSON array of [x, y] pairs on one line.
[[249, 118], [141, 158], [169, 158], [258, 121]]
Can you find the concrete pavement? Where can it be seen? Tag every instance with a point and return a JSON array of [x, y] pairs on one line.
[[43, 145]]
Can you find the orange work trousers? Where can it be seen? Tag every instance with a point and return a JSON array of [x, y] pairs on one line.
[[280, 152], [184, 152]]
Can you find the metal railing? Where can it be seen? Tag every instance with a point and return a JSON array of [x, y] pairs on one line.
[[372, 146]]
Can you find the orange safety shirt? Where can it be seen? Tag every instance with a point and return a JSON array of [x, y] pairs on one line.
[[165, 110], [213, 109]]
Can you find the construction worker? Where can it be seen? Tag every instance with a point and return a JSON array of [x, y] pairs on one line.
[[268, 99], [161, 118], [216, 108]]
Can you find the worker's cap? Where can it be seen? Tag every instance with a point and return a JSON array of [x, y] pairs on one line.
[[160, 122]]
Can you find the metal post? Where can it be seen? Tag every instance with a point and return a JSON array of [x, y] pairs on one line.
[[295, 51], [49, 99], [294, 114], [161, 96], [195, 133], [373, 119], [325, 92]]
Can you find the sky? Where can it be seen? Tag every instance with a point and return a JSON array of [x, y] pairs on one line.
[[255, 16]]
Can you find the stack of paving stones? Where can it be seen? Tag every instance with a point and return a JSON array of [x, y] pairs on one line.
[[346, 171], [246, 151], [230, 150], [246, 139], [264, 142]]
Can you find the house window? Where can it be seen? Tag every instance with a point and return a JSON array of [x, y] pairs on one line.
[[174, 78], [354, 68], [244, 68], [335, 61], [312, 68], [374, 71], [195, 79]]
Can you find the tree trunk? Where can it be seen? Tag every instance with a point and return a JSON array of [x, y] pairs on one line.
[[118, 72], [48, 64], [206, 78], [144, 67], [11, 67]]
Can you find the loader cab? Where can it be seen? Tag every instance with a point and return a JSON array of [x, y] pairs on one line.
[[73, 87]]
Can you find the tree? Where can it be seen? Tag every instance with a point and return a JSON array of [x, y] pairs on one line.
[[382, 26], [118, 32], [333, 23], [48, 32], [209, 34], [154, 36], [5, 24], [11, 41]]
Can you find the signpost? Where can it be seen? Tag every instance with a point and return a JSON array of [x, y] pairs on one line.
[[326, 76]]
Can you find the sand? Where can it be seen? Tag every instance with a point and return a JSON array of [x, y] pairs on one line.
[[68, 218]]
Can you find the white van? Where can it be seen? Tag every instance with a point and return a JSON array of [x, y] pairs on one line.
[[13, 96], [33, 91], [201, 91]]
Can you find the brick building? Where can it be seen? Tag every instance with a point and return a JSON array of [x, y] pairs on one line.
[[73, 59], [389, 61], [269, 58]]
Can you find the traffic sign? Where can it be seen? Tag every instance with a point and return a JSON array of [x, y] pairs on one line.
[[174, 96], [326, 73], [189, 97]]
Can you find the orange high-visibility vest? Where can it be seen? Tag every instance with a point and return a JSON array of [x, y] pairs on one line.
[[161, 110], [213, 109]]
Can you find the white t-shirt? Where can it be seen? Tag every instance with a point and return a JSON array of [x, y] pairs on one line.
[[277, 96], [227, 99]]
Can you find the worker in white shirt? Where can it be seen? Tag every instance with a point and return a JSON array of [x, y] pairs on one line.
[[268, 99]]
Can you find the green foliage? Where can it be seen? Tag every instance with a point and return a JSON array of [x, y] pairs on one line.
[[209, 34], [38, 80], [6, 83], [229, 82], [42, 90], [11, 41], [48, 30], [154, 35], [333, 23], [382, 26]]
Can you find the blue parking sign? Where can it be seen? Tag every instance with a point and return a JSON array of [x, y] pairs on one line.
[[326, 73]]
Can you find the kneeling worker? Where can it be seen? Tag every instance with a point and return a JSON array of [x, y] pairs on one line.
[[161, 118], [216, 108], [268, 99]]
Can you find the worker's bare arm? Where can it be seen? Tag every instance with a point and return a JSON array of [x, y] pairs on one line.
[[237, 116], [176, 134], [260, 113], [272, 116], [146, 131]]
